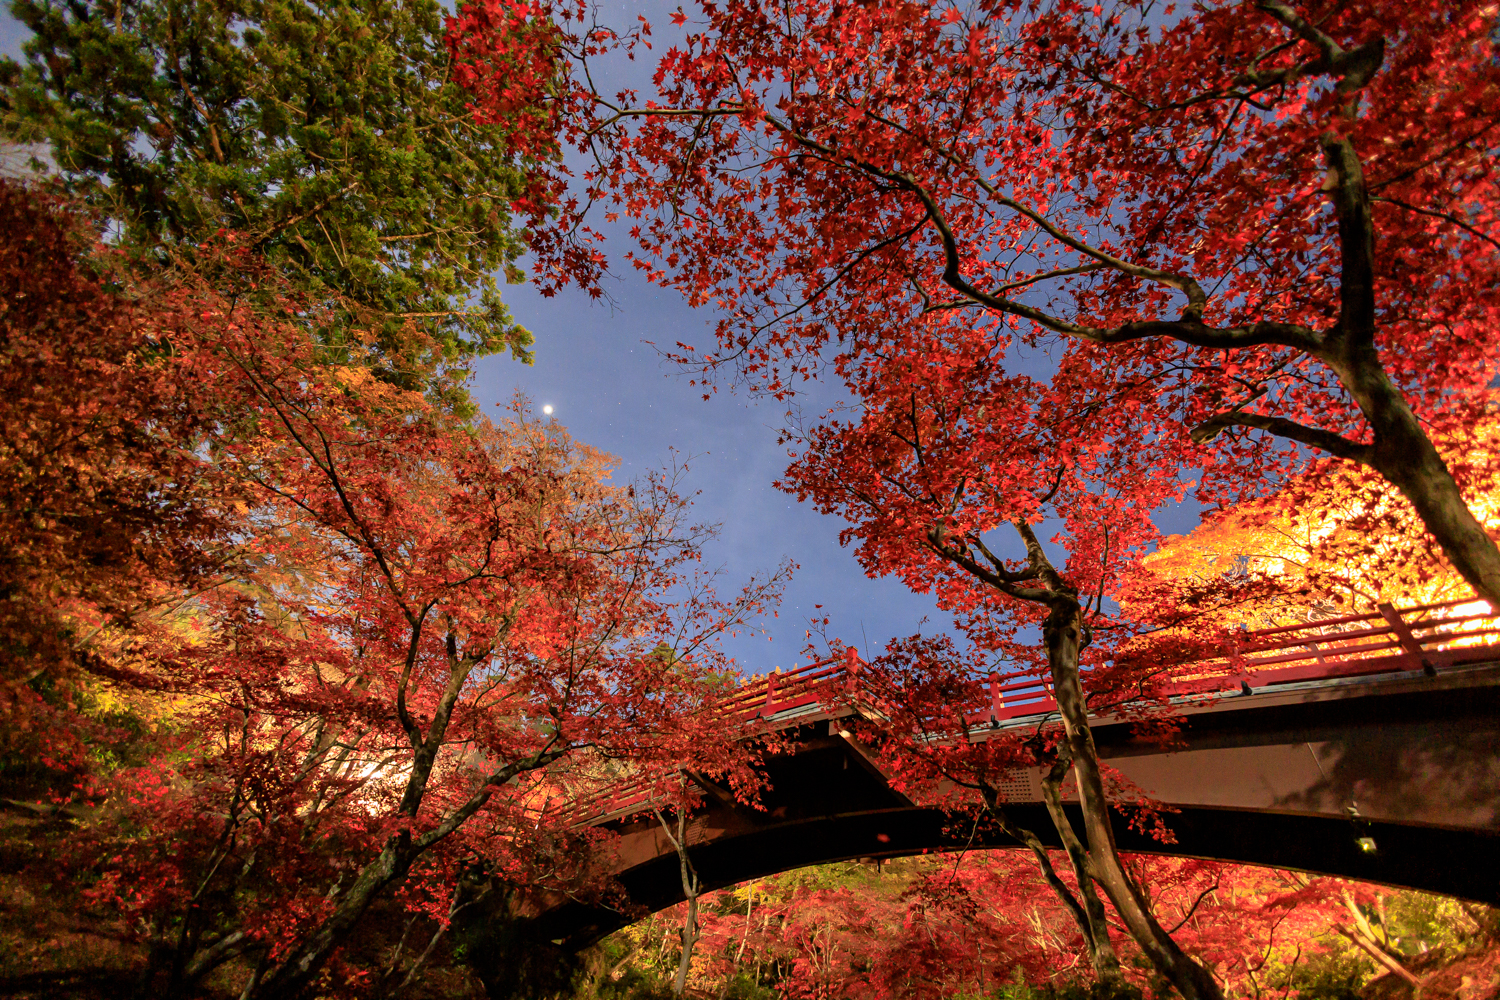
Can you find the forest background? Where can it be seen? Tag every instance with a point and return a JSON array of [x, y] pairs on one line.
[[287, 652]]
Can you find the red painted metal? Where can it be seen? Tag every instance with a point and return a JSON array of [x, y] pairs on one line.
[[1416, 638]]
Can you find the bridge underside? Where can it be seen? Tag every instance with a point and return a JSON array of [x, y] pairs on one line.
[[1266, 779], [1454, 862]]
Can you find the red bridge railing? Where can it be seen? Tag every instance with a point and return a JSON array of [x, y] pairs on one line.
[[1387, 640]]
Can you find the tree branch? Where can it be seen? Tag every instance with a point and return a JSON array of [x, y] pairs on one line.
[[1333, 444], [1455, 220], [1006, 584], [1355, 67], [1040, 564], [288, 223], [1194, 908]]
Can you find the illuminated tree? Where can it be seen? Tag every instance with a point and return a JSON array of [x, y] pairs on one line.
[[329, 135], [406, 626]]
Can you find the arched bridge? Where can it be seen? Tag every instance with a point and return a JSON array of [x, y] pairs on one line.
[[1305, 747]]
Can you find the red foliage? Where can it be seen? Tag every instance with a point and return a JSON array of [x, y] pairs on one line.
[[947, 929], [103, 512], [945, 925], [1055, 253], [1218, 219]]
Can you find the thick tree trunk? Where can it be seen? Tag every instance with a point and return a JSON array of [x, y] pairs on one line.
[[1061, 632], [1402, 452], [294, 974]]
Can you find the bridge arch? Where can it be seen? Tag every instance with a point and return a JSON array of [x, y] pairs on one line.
[[1409, 737]]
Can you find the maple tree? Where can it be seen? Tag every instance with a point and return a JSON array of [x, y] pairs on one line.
[[931, 469], [928, 706], [843, 931], [103, 514], [408, 627], [688, 873], [1276, 222], [1059, 255]]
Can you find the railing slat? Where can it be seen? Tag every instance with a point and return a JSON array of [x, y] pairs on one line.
[[1339, 652]]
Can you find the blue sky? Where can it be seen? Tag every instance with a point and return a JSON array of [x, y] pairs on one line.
[[615, 393]]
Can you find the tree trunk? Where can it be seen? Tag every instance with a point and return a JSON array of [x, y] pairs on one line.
[[294, 973], [689, 939], [690, 885], [1101, 951], [1417, 470], [1401, 452], [1061, 632], [1404, 454]]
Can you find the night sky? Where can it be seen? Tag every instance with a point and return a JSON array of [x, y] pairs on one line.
[[613, 391]]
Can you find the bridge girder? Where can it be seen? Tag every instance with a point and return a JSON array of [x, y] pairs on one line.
[[1265, 779]]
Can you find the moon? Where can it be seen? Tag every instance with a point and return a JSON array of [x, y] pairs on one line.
[[547, 409]]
